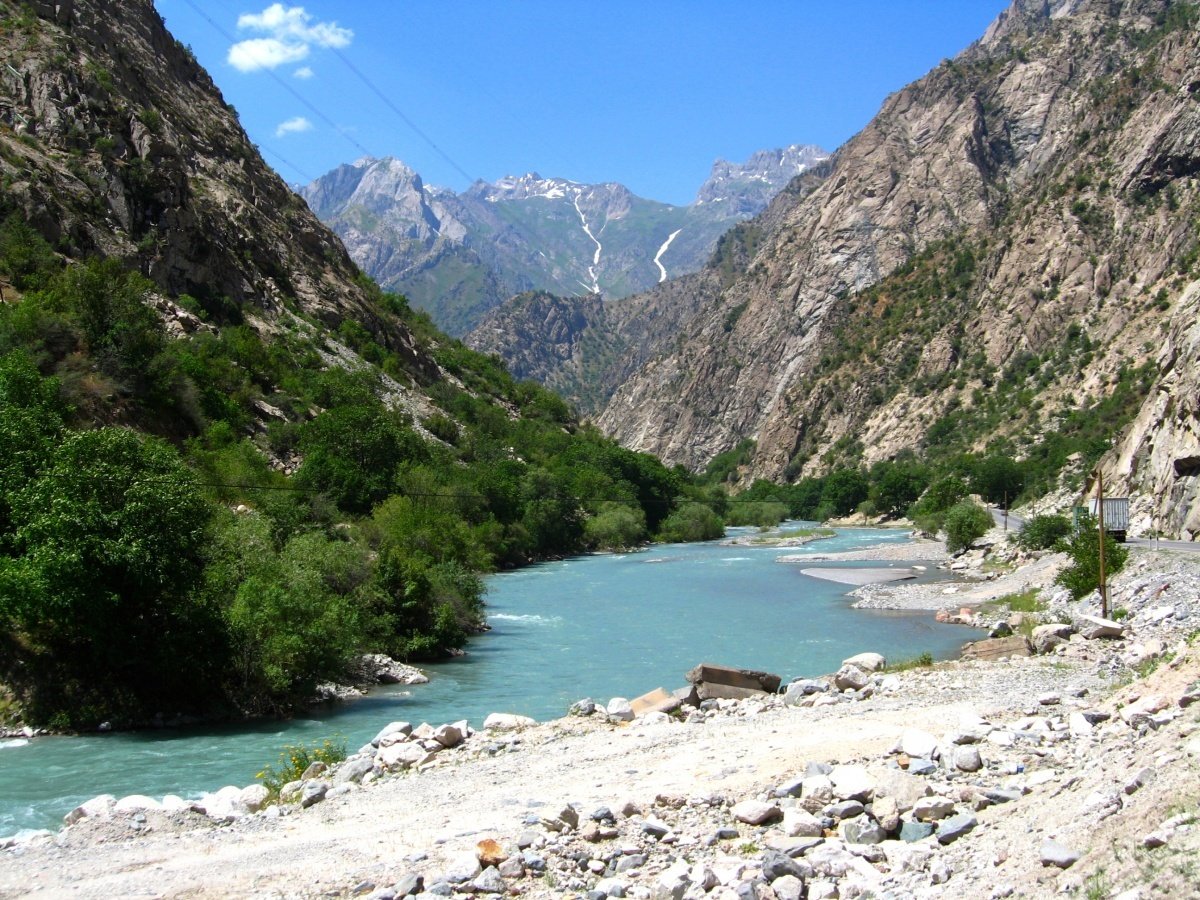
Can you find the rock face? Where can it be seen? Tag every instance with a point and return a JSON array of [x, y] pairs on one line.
[[1020, 218], [459, 255]]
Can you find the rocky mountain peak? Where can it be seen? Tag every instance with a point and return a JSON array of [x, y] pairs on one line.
[[750, 185]]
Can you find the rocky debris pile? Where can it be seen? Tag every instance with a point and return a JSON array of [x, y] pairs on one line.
[[950, 815]]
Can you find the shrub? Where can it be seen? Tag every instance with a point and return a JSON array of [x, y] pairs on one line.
[[1082, 576], [966, 522], [763, 513], [294, 759], [1043, 532], [619, 527], [692, 522]]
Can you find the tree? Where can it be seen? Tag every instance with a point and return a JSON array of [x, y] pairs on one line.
[[897, 485], [998, 479], [844, 490], [103, 579], [1082, 576], [966, 522], [691, 522], [619, 527], [1043, 532]]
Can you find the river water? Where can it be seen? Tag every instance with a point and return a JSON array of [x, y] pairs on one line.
[[594, 626]]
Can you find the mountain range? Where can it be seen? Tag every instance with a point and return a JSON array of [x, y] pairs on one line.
[[457, 255], [1005, 258]]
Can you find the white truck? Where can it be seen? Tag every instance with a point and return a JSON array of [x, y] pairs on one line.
[[1116, 515]]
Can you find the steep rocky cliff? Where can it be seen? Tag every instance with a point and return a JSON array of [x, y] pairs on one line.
[[1013, 239], [114, 141]]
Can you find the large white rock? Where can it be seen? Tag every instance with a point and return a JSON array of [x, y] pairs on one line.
[[507, 722], [224, 804], [851, 678], [1092, 627], [755, 812], [135, 803], [798, 822], [253, 797], [620, 709], [448, 735], [919, 744], [403, 756], [393, 732], [868, 662], [852, 783]]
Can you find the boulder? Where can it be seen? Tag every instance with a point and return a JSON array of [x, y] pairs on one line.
[[507, 722], [1046, 637], [967, 758], [798, 822], [1052, 853], [253, 797], [776, 865], [915, 831], [852, 783], [353, 769], [490, 853], [998, 648], [584, 707], [448, 735], [403, 756], [620, 709], [861, 830], [715, 682], [657, 700], [951, 829], [1143, 708], [755, 812], [917, 743], [1094, 627], [393, 731], [462, 868], [929, 809], [313, 792], [905, 789], [868, 662], [851, 678], [135, 803], [886, 812]]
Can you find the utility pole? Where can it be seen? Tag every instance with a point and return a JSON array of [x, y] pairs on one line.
[[1006, 509], [1100, 509]]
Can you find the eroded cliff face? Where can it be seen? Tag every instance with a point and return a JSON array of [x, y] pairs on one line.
[[114, 141], [1040, 189]]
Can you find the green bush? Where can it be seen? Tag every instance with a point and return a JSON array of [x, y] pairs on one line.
[[619, 527], [965, 523], [1043, 532], [1082, 576], [692, 522], [294, 760], [763, 513]]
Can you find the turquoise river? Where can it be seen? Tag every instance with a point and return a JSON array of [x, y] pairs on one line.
[[595, 626]]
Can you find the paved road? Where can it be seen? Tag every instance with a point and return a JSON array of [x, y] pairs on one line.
[[1015, 523]]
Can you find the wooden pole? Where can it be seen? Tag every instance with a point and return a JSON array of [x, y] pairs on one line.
[[1100, 509]]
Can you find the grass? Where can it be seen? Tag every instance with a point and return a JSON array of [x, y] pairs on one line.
[[923, 661], [294, 759], [814, 533], [1096, 887], [1026, 601]]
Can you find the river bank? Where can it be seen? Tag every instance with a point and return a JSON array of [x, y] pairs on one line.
[[1033, 775]]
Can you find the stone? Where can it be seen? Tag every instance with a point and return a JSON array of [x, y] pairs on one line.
[[755, 812], [315, 769], [917, 743], [672, 883], [1046, 637], [799, 822], [489, 881], [313, 792], [584, 707], [905, 789], [135, 803], [951, 829], [656, 828], [861, 830], [392, 730], [1190, 695], [801, 688], [822, 890], [409, 884], [1139, 780], [788, 887], [490, 853], [403, 756], [930, 809], [612, 887], [998, 648], [512, 867], [886, 812], [655, 701], [816, 792], [845, 809], [353, 769], [253, 797], [915, 831], [339, 790], [620, 709], [507, 722], [775, 865], [851, 678], [967, 758], [1094, 627], [448, 735], [1143, 708], [1052, 853], [290, 792], [868, 662], [710, 678], [462, 868], [921, 766], [852, 782]]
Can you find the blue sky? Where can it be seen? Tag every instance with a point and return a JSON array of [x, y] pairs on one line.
[[644, 93]]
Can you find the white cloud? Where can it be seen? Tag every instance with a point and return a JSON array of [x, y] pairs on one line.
[[294, 125], [290, 32], [264, 53], [303, 73]]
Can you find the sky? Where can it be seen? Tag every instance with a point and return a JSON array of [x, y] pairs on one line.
[[645, 93]]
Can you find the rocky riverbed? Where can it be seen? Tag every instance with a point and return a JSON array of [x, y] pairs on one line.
[[1069, 771]]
